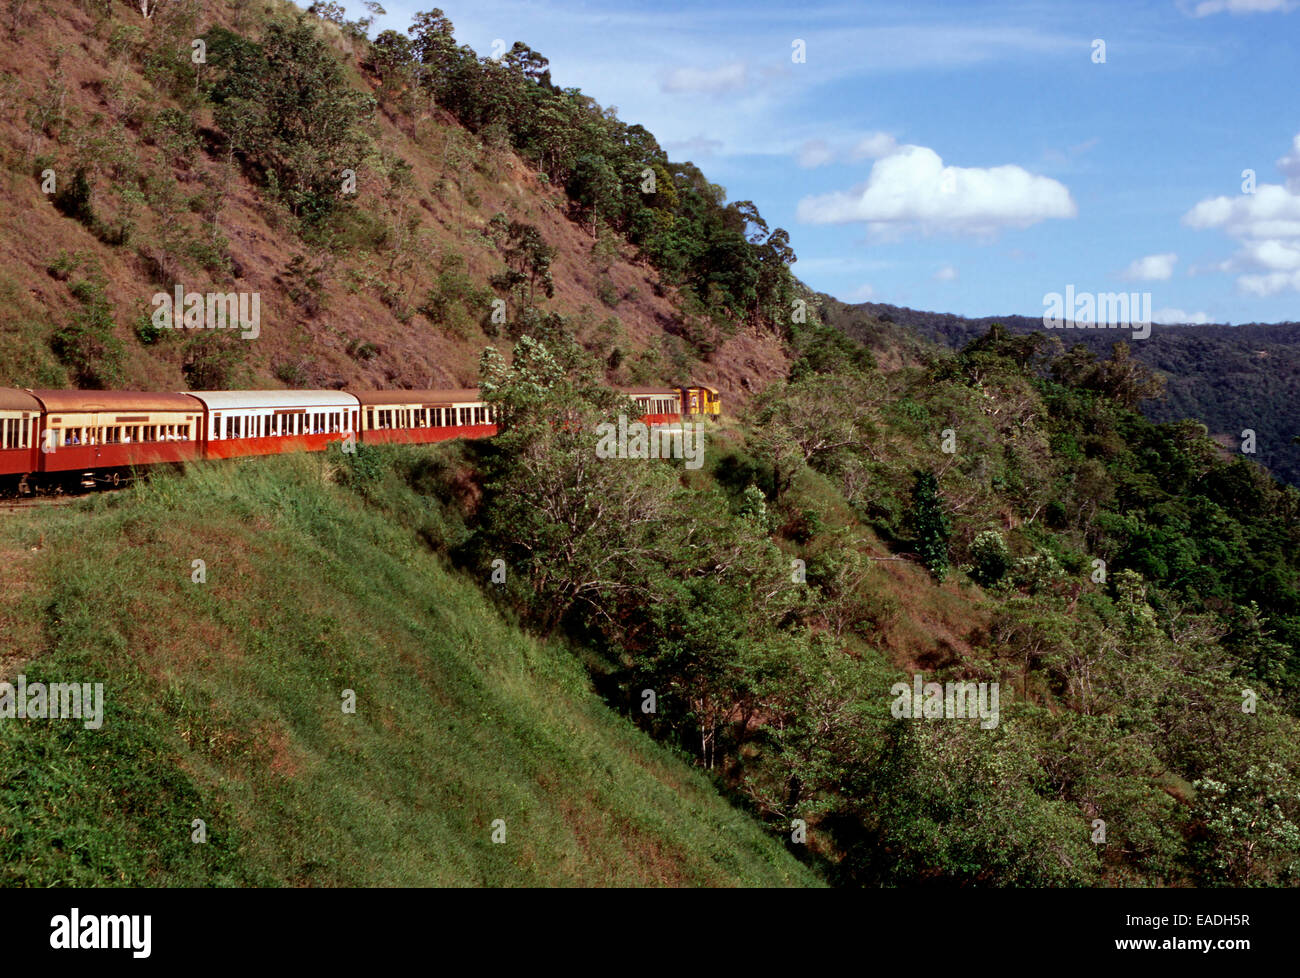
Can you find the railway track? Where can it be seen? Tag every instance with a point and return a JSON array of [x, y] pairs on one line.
[[8, 506]]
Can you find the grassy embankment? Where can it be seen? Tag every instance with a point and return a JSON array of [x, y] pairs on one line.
[[224, 702]]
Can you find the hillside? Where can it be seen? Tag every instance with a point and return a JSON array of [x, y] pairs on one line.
[[126, 172], [1230, 378], [224, 701]]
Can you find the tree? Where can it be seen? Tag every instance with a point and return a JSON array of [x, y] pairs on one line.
[[813, 421], [575, 530], [287, 105], [594, 188], [991, 558], [528, 261], [393, 55], [929, 523]]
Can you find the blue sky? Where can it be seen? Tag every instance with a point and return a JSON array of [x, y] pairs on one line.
[[967, 157]]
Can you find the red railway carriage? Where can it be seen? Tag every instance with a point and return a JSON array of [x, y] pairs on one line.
[[20, 425], [244, 423], [97, 431], [659, 405], [418, 417]]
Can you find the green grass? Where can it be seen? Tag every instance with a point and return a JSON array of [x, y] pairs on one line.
[[224, 703]]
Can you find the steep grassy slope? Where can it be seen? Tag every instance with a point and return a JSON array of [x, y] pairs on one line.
[[96, 88], [224, 702]]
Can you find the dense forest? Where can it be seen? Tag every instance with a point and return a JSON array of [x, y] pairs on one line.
[[1231, 378], [1133, 593]]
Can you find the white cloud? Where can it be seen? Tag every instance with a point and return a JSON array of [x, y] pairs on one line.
[[1271, 211], [861, 294], [1267, 225], [697, 146], [815, 153], [1270, 283], [710, 81], [1178, 317], [912, 189], [818, 152], [1152, 268], [1207, 7], [945, 274], [874, 145]]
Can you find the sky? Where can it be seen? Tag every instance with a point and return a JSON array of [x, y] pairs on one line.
[[966, 157]]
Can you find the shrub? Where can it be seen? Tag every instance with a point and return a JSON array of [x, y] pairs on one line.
[[991, 558], [73, 199]]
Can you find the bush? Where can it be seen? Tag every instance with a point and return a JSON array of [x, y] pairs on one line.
[[146, 330], [991, 558], [291, 372], [929, 524], [86, 345], [212, 360], [74, 198]]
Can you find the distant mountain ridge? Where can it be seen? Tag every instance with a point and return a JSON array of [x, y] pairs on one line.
[[1231, 378]]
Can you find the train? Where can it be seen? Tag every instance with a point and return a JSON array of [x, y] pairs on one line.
[[98, 438]]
